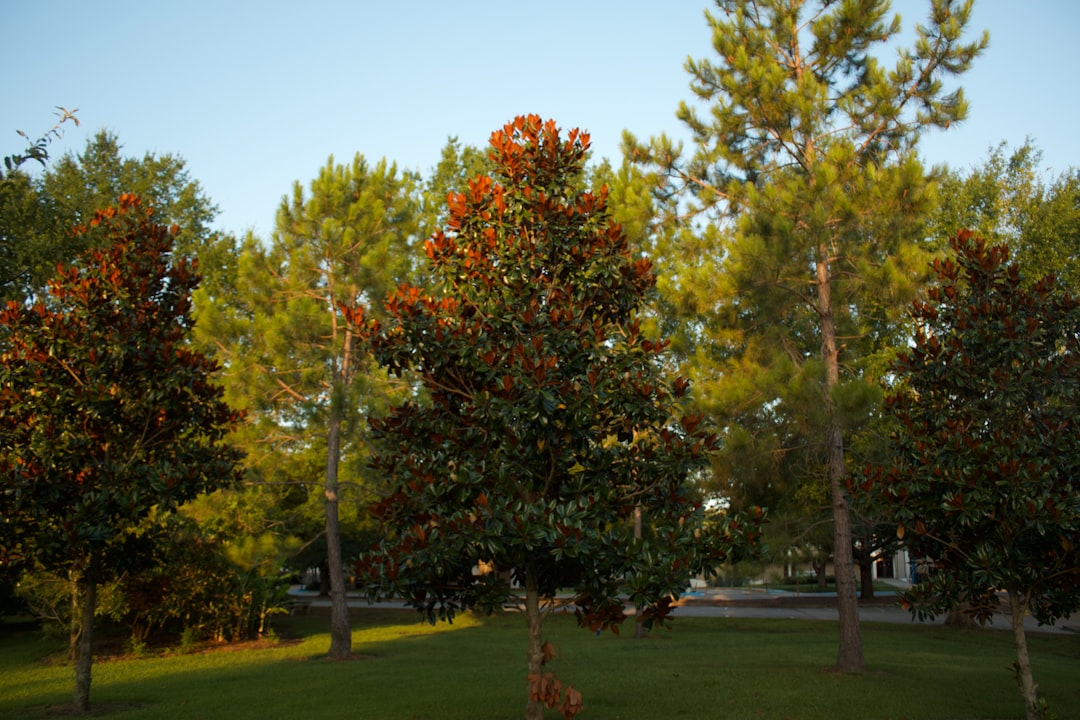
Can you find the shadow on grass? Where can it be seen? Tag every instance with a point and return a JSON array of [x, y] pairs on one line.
[[475, 670], [285, 679]]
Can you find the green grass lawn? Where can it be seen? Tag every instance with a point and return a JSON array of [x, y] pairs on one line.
[[474, 669]]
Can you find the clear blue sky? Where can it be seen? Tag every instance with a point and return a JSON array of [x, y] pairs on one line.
[[255, 95]]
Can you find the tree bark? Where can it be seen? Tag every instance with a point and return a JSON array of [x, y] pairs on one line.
[[85, 657], [850, 655], [74, 631], [1018, 608], [866, 575], [324, 578], [821, 566], [534, 620], [639, 616], [959, 619], [340, 630]]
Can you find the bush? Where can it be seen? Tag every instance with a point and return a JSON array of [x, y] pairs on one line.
[[210, 588], [198, 586]]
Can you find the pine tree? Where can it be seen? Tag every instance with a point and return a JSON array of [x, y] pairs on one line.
[[291, 359], [806, 179]]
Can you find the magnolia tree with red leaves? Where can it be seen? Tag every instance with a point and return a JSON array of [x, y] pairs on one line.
[[105, 414], [985, 474], [549, 421]]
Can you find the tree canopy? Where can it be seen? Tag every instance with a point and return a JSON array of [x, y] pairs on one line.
[[105, 414], [549, 421], [292, 360], [38, 149], [985, 456], [809, 196], [21, 212], [1010, 198], [37, 221]]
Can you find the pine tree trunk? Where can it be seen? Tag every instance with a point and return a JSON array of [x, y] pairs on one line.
[[850, 655], [340, 630], [1028, 689], [534, 620], [85, 658]]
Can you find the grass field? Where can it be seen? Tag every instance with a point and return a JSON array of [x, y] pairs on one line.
[[474, 669]]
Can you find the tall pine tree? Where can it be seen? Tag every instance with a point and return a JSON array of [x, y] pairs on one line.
[[291, 359], [806, 181]]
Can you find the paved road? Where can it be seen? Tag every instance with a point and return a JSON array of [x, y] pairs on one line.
[[758, 603], [743, 603], [873, 613]]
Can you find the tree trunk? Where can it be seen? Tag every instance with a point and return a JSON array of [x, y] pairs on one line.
[[340, 631], [85, 658], [866, 575], [639, 616], [1018, 607], [324, 578], [850, 655], [820, 563], [76, 617], [534, 710], [959, 619]]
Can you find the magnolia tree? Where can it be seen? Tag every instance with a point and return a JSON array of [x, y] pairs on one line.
[[983, 479], [548, 422], [106, 415]]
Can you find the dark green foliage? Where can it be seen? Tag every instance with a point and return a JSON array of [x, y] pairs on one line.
[[550, 421], [1010, 198], [106, 416], [105, 413], [987, 453], [37, 223], [209, 586], [984, 478]]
